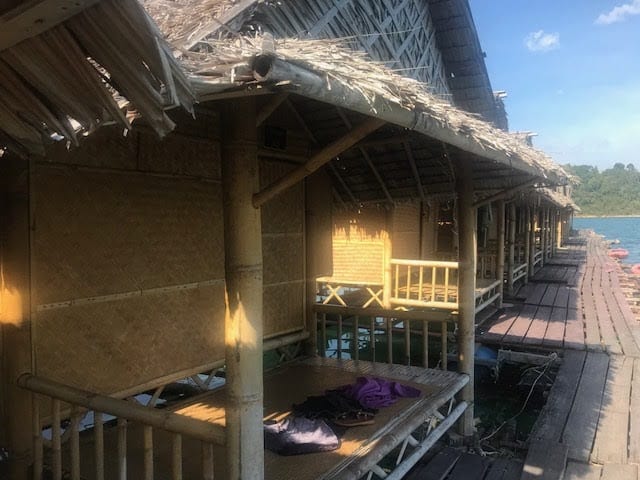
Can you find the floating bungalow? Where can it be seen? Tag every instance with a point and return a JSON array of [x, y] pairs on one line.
[[189, 185]]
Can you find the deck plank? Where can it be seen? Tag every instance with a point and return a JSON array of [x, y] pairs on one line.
[[574, 330], [610, 444], [543, 462], [555, 412], [554, 336], [612, 471], [634, 415], [538, 327], [549, 297], [520, 326], [438, 468], [582, 471], [580, 429], [469, 467]]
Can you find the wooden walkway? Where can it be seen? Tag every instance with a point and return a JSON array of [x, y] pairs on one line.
[[452, 464], [590, 426], [575, 302]]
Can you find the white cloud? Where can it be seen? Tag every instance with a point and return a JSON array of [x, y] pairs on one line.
[[542, 42], [619, 13]]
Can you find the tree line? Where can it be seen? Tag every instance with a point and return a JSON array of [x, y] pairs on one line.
[[614, 191]]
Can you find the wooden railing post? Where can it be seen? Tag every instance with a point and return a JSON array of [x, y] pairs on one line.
[[532, 241], [527, 242]]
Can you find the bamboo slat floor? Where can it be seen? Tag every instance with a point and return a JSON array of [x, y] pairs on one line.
[[590, 427]]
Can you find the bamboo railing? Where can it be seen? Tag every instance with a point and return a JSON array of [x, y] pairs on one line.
[[355, 322], [82, 402], [424, 283]]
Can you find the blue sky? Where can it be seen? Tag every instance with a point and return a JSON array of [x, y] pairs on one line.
[[571, 70]]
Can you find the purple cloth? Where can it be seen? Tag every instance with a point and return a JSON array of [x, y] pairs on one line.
[[377, 392], [298, 435]]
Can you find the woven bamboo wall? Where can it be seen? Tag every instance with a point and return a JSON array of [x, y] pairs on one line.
[[405, 237], [283, 254], [358, 246], [128, 266]]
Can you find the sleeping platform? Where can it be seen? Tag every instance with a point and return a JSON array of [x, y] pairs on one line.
[[411, 425]]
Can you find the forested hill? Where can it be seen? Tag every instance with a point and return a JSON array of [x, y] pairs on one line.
[[615, 191]]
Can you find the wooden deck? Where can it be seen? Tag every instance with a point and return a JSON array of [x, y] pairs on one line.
[[590, 426], [574, 302]]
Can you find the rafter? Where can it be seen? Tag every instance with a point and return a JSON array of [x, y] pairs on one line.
[[367, 158], [316, 161], [414, 169]]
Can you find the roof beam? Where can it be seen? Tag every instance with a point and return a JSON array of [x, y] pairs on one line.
[[504, 194], [271, 106], [316, 161], [33, 17], [342, 182], [414, 169], [367, 158]]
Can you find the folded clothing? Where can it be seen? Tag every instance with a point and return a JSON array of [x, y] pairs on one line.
[[298, 435], [376, 392]]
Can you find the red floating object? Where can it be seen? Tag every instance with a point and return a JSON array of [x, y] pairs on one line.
[[618, 253]]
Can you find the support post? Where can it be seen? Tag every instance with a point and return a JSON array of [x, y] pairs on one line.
[[543, 235], [512, 247], [527, 241], [388, 253], [500, 251], [467, 252], [243, 275], [559, 234], [318, 246], [15, 315]]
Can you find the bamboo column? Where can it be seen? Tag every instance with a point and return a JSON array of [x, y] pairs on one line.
[[467, 252], [500, 251], [543, 235], [318, 246], [512, 247], [532, 241], [559, 234], [388, 253], [243, 275], [527, 241], [548, 239], [15, 314]]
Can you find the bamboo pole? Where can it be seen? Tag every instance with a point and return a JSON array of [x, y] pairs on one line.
[[207, 461], [512, 246], [243, 274], [500, 251], [76, 416], [318, 160], [318, 247], [147, 432], [559, 230], [466, 286], [543, 235], [444, 349], [176, 456], [425, 344], [387, 256], [98, 438], [527, 241], [38, 460], [56, 438], [164, 420], [532, 241], [122, 448]]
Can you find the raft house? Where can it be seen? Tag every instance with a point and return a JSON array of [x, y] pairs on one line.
[[269, 187]]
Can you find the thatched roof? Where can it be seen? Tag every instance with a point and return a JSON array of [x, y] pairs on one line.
[[327, 71], [75, 76], [558, 199]]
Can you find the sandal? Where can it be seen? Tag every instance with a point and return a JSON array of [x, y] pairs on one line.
[[354, 419]]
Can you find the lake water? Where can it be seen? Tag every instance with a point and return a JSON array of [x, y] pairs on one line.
[[625, 229]]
